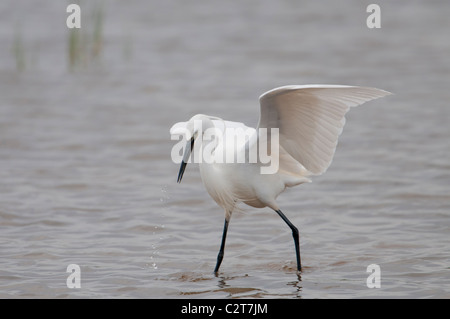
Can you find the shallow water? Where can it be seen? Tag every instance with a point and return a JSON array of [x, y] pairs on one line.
[[86, 176]]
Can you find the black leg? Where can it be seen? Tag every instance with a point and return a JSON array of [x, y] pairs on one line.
[[295, 235], [222, 246]]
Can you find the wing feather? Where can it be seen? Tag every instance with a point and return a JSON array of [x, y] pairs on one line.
[[310, 119]]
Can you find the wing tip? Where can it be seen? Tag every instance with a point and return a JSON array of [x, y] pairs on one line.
[[280, 89], [380, 92]]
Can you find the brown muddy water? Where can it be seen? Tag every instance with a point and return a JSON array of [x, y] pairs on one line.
[[86, 176]]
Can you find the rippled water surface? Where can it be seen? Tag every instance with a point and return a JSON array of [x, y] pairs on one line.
[[86, 176]]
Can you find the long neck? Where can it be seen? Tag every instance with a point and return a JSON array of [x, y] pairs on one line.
[[209, 139]]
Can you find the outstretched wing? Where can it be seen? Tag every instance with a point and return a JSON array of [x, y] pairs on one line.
[[310, 119]]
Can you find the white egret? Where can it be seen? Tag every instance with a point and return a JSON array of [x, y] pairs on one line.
[[309, 119]]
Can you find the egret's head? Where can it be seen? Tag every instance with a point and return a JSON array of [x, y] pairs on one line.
[[191, 130]]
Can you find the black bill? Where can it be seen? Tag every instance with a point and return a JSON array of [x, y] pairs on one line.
[[187, 153]]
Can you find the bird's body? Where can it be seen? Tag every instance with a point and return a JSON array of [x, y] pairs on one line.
[[240, 182], [298, 127]]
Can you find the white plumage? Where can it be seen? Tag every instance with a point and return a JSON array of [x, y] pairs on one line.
[[309, 118]]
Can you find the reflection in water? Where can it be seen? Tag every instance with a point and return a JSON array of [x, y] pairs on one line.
[[297, 286], [227, 284], [235, 292]]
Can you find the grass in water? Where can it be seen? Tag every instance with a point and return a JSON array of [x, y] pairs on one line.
[[19, 52], [85, 44]]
